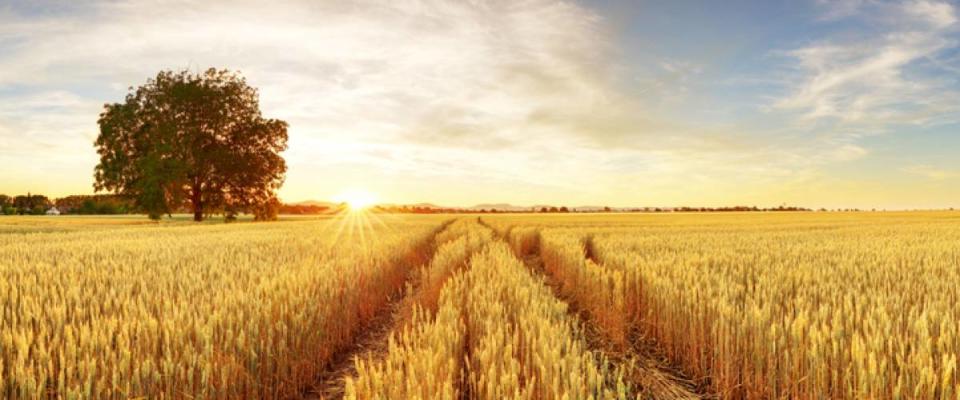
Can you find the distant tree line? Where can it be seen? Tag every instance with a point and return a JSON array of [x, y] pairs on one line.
[[303, 209], [28, 204], [452, 210], [564, 209], [418, 210], [439, 210], [38, 204], [740, 209], [111, 204], [100, 204], [556, 210]]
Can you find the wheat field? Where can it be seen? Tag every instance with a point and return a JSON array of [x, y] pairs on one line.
[[577, 306]]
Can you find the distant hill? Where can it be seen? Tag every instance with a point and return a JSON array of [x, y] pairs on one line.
[[499, 207], [421, 205]]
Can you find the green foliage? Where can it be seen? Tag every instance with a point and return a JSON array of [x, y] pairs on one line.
[[195, 140], [267, 211], [36, 204], [101, 204], [6, 205]]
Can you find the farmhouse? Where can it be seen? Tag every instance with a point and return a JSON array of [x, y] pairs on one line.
[[53, 211]]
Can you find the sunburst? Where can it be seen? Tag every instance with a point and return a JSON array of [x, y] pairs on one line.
[[356, 199], [356, 218]]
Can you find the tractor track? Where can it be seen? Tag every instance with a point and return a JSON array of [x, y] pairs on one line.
[[373, 338], [650, 375]]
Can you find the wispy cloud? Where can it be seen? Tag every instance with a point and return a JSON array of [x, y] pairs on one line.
[[532, 98], [428, 77], [936, 13], [517, 93], [868, 82]]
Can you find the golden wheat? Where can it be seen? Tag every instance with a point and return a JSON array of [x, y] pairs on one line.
[[229, 311], [804, 306], [754, 306], [515, 338]]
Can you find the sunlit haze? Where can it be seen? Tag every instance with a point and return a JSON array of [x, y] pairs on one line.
[[632, 103], [356, 199]]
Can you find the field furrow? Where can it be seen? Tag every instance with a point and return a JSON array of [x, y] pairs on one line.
[[516, 307], [774, 306], [372, 337], [453, 247], [215, 312], [603, 316], [498, 333]]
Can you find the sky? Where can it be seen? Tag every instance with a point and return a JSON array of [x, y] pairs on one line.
[[850, 103]]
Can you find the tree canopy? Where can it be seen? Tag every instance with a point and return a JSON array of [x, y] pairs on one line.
[[196, 141], [31, 204]]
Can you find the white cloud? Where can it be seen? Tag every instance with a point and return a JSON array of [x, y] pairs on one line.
[[520, 94], [523, 94], [869, 82], [425, 77], [938, 14]]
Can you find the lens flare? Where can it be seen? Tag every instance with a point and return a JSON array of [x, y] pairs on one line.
[[356, 199], [355, 218]]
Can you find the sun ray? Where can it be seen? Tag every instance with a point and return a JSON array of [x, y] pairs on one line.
[[356, 199]]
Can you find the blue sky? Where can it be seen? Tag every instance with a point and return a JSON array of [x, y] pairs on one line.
[[850, 103], [743, 65]]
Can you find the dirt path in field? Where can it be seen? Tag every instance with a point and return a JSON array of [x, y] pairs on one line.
[[649, 374], [646, 372], [372, 338]]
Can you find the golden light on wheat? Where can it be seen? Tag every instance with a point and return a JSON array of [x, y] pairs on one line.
[[801, 306], [355, 217]]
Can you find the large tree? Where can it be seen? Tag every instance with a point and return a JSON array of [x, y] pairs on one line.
[[192, 140]]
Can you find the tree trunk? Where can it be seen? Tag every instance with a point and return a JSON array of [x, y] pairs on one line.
[[196, 200]]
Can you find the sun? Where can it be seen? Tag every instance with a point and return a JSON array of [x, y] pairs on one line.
[[356, 199]]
